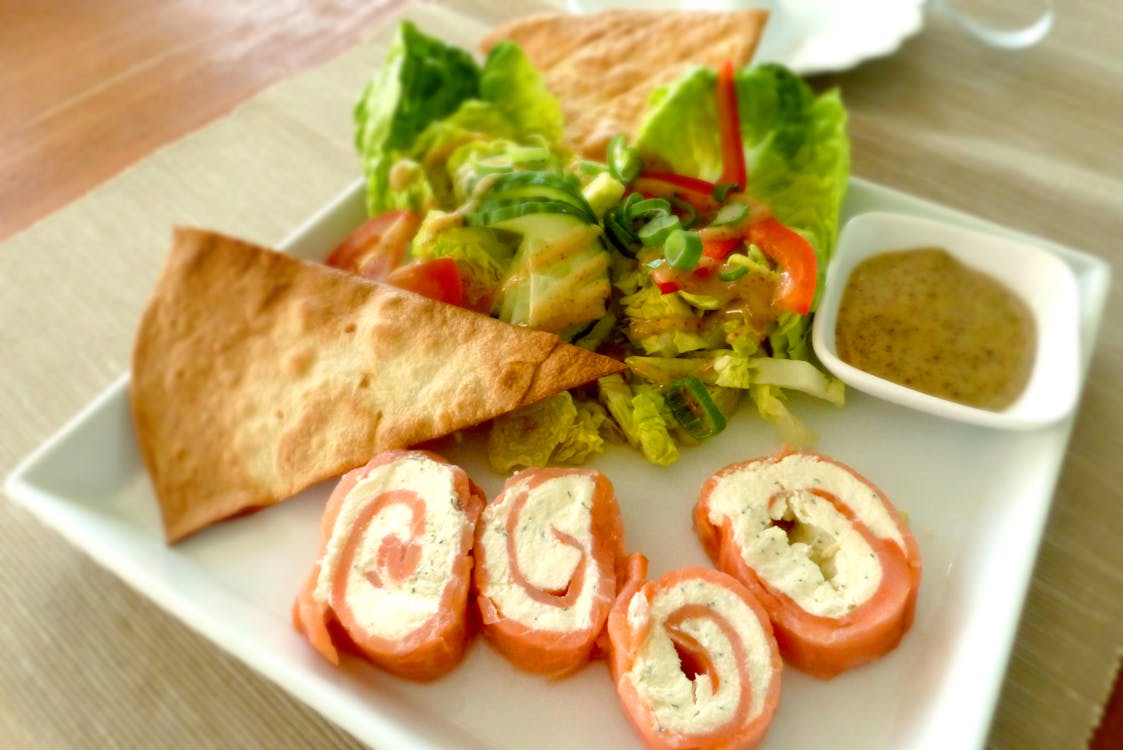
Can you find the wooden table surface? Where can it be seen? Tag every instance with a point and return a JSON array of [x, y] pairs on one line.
[[88, 88]]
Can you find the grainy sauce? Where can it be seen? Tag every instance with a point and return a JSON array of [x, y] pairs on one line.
[[924, 320]]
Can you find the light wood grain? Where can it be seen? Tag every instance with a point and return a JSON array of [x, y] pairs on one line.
[[87, 88]]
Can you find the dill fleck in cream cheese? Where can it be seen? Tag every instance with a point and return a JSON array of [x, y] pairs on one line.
[[924, 320]]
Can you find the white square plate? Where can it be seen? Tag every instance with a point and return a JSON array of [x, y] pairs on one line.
[[977, 500]]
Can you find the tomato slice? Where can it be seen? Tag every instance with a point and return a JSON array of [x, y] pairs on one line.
[[796, 259], [729, 129], [378, 246], [437, 279]]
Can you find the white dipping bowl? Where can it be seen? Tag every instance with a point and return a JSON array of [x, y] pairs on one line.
[[1041, 279]]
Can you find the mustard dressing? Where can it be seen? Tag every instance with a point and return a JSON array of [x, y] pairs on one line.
[[922, 319]]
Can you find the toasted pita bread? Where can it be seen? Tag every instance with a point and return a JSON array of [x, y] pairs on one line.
[[256, 374], [604, 66]]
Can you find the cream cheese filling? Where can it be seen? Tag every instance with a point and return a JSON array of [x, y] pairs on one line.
[[563, 503], [684, 705], [396, 608], [798, 541]]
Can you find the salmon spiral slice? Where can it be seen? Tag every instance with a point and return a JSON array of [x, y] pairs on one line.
[[694, 660], [393, 578], [824, 551], [546, 554]]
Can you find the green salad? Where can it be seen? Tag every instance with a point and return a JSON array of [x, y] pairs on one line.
[[695, 253]]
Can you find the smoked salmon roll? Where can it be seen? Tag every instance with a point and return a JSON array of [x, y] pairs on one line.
[[394, 575], [547, 551], [694, 660], [824, 551]]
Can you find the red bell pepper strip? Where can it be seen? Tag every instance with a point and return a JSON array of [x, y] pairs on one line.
[[729, 129], [698, 193], [682, 182], [796, 259], [720, 249]]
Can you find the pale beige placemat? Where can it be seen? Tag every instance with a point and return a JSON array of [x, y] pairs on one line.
[[1027, 139]]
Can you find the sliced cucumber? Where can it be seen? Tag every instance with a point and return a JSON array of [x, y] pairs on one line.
[[549, 219], [496, 213], [538, 177], [537, 186], [538, 194]]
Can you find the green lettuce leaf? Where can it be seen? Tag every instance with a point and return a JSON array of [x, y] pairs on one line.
[[663, 370], [423, 80], [665, 325], [430, 99], [512, 83], [442, 147], [643, 416], [584, 438], [736, 371], [472, 162], [556, 430]]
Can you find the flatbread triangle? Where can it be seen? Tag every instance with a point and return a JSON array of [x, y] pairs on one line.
[[256, 374], [604, 66]]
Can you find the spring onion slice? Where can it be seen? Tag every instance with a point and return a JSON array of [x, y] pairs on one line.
[[687, 214], [691, 404], [640, 209], [656, 231], [732, 273], [683, 249], [730, 214], [723, 189], [591, 168], [619, 232]]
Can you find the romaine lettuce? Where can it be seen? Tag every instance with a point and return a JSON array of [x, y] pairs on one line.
[[796, 148], [511, 82], [735, 371], [644, 418], [556, 430], [429, 99], [423, 80], [665, 325]]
